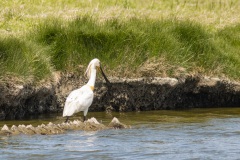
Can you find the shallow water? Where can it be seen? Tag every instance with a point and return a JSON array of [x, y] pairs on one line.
[[185, 134]]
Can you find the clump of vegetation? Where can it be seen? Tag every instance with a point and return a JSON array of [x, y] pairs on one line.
[[24, 60], [124, 35], [130, 43]]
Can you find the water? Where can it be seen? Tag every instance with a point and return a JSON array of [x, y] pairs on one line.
[[188, 134]]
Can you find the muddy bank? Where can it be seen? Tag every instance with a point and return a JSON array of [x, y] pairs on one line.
[[59, 128], [18, 101], [168, 93]]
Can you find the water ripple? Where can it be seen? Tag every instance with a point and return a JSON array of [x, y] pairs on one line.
[[214, 138]]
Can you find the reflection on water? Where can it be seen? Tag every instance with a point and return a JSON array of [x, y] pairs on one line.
[[184, 134]]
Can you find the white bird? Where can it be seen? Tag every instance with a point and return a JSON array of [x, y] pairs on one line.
[[82, 98]]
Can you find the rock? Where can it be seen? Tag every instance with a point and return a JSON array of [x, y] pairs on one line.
[[116, 124], [5, 131], [15, 130], [93, 120], [5, 128], [30, 130]]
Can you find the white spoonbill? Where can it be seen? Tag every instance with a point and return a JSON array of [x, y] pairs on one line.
[[82, 98]]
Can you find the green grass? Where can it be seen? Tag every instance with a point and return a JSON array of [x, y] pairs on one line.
[[182, 43], [23, 60], [198, 36]]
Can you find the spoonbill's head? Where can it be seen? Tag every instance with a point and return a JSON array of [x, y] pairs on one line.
[[95, 64]]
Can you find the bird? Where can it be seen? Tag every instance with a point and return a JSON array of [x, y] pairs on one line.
[[82, 98]]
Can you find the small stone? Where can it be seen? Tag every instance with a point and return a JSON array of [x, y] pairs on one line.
[[93, 120], [29, 126], [115, 120], [5, 128], [13, 127], [116, 124], [50, 124]]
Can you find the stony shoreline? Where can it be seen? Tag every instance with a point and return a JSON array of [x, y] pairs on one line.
[[58, 128], [140, 94]]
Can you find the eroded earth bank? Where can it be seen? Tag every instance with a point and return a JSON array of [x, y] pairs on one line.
[[19, 101]]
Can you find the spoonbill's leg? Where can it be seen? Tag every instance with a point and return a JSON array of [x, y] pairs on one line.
[[67, 119]]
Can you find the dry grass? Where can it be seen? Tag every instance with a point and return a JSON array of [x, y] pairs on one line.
[[18, 17]]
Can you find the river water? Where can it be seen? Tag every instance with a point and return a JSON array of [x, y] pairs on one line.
[[184, 134]]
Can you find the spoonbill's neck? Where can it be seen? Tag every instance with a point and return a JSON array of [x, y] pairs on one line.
[[92, 79]]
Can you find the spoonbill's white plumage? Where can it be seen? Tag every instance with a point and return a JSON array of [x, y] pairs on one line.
[[82, 98]]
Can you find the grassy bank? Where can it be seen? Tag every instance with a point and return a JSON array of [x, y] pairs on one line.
[[162, 38]]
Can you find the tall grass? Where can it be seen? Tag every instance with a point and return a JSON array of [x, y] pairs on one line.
[[23, 60], [130, 43], [197, 35]]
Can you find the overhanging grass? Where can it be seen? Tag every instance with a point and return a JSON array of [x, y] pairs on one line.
[[130, 43]]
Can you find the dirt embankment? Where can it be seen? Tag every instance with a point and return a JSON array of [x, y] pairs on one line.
[[169, 93], [18, 101]]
